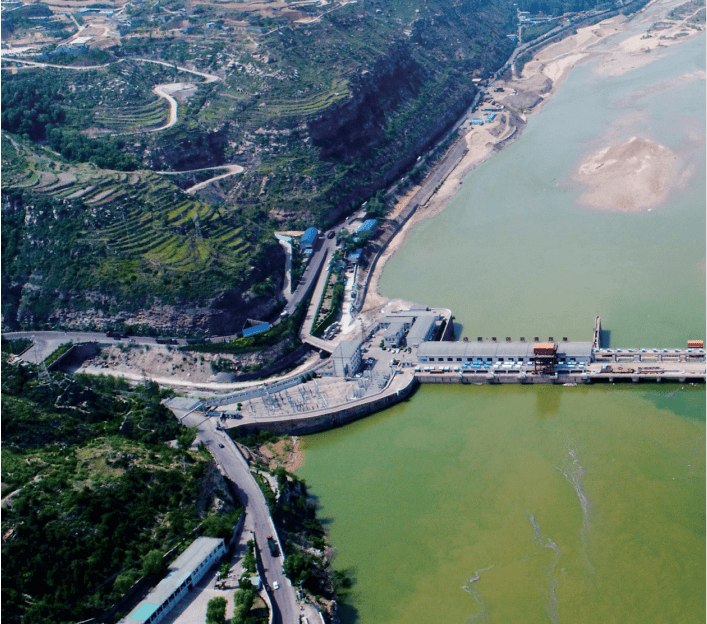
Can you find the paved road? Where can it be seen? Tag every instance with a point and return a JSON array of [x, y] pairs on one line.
[[285, 607], [315, 261], [46, 342], [207, 77], [232, 170], [161, 91]]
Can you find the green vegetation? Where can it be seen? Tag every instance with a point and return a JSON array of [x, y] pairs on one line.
[[76, 147], [322, 114], [14, 347], [246, 611], [254, 439], [216, 611], [533, 32], [304, 539], [270, 496], [30, 107], [98, 495], [132, 235], [286, 330], [249, 563], [54, 356], [330, 306], [522, 60], [153, 564], [686, 9], [221, 525]]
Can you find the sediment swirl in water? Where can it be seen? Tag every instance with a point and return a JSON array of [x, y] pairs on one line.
[[548, 543], [574, 473], [476, 595]]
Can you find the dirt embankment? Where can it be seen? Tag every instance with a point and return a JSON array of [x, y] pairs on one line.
[[287, 453], [159, 361]]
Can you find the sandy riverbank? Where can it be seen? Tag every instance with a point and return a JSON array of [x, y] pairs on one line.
[[525, 95]]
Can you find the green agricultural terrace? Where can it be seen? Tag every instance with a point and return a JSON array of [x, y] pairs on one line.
[[145, 234]]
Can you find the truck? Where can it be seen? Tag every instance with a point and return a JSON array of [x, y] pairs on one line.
[[165, 340], [272, 545], [115, 334]]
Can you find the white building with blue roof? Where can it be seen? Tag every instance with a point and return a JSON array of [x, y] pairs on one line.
[[187, 570]]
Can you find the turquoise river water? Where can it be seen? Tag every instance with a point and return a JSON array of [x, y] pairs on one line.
[[542, 504]]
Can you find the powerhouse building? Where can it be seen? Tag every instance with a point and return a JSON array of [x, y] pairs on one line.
[[493, 352], [187, 570]]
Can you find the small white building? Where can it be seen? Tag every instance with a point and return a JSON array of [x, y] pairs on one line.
[[394, 334], [188, 569], [346, 358]]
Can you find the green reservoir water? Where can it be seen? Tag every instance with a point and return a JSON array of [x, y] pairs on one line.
[[575, 505], [515, 255], [578, 505]]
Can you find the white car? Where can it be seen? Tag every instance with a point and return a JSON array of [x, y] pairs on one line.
[[276, 585]]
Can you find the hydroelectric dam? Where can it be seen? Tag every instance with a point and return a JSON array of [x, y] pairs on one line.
[[406, 347]]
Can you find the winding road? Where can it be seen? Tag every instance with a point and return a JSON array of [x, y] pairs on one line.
[[285, 609], [230, 170], [161, 90]]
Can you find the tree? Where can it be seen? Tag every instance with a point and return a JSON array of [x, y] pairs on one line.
[[216, 611], [152, 563], [297, 567], [123, 582], [243, 602], [224, 569], [186, 439]]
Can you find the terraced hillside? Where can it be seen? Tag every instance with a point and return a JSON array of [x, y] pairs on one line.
[[132, 118], [134, 236], [323, 104]]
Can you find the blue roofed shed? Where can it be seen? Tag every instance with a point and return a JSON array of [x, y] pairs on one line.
[[256, 329], [309, 238], [369, 225], [187, 570]]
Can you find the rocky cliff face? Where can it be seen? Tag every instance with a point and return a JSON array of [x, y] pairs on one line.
[[410, 97], [357, 125], [224, 315], [175, 152]]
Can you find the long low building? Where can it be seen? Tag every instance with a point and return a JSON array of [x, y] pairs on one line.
[[492, 352], [187, 570]]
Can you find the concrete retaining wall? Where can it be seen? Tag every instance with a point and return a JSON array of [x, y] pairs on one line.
[[74, 357]]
